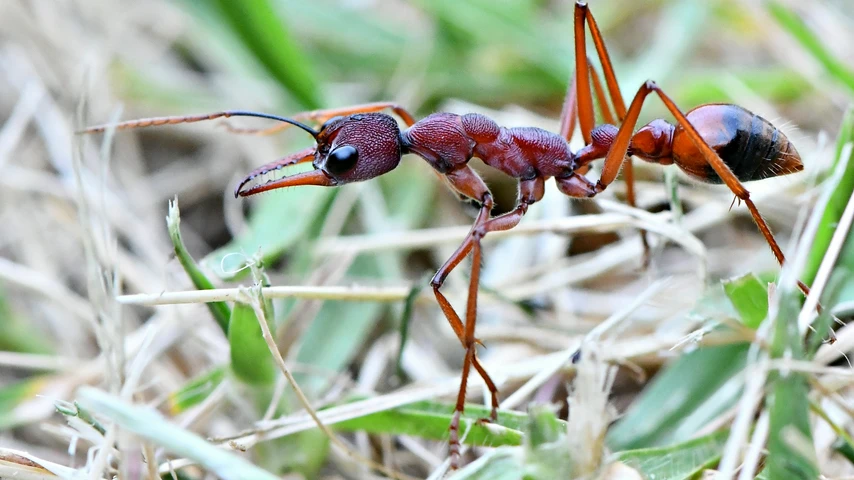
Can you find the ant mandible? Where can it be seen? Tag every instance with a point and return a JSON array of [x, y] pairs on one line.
[[713, 143]]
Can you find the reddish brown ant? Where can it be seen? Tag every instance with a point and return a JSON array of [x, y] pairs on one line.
[[714, 143]]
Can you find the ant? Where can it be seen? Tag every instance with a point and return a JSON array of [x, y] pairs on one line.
[[712, 143]]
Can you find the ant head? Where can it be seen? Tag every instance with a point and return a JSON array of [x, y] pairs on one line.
[[349, 149]]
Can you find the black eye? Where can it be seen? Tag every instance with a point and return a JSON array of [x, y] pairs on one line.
[[341, 160]]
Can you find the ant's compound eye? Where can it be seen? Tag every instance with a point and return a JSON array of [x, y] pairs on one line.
[[342, 160], [330, 122]]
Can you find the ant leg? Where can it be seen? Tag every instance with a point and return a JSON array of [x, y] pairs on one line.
[[606, 114], [584, 97], [600, 96], [470, 358], [569, 112], [530, 191], [621, 143], [605, 60], [467, 182], [582, 14], [320, 116]]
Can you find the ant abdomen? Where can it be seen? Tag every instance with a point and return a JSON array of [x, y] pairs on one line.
[[751, 146]]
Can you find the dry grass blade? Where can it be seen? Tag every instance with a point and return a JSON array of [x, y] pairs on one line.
[[355, 293], [254, 300]]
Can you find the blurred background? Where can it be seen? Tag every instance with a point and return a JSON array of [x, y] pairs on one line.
[[80, 221]]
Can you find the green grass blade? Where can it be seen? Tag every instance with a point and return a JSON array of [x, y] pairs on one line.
[[220, 310], [833, 203], [749, 296], [791, 453], [15, 394], [405, 318], [279, 220], [545, 454], [195, 391], [152, 426], [430, 420], [250, 358], [792, 23], [686, 396], [264, 34], [505, 463], [75, 410], [676, 462]]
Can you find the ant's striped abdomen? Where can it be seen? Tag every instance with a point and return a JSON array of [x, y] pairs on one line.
[[751, 146]]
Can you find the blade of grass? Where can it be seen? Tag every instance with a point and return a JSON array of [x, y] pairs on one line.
[[749, 296], [279, 220], [264, 34], [18, 336], [405, 318], [794, 24], [681, 461], [253, 296], [220, 310], [195, 391], [15, 394], [836, 199], [790, 448], [150, 425], [250, 360], [505, 463], [690, 392], [430, 420]]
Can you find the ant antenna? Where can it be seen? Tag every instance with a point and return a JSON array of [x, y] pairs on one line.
[[156, 121], [243, 113]]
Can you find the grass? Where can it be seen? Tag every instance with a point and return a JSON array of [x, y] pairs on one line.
[[264, 339]]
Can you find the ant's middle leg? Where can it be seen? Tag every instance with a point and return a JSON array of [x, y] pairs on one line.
[[320, 116], [530, 191]]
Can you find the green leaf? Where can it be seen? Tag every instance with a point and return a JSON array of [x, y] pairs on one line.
[[811, 42], [545, 455], [692, 391], [251, 361], [264, 34], [676, 462], [430, 420], [405, 318], [832, 204], [75, 410], [279, 220], [544, 426], [195, 391], [307, 453], [219, 310], [150, 425], [791, 454], [506, 463], [749, 296], [15, 394]]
